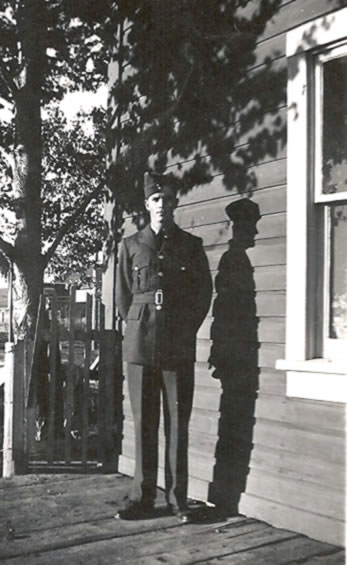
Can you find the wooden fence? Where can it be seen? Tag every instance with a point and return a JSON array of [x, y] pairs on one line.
[[68, 389]]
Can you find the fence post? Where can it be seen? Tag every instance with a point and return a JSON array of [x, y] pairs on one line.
[[8, 458], [85, 389], [53, 345], [69, 401]]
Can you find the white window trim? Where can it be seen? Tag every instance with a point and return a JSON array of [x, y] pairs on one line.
[[317, 379]]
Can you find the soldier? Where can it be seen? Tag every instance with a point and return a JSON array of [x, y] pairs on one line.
[[163, 292]]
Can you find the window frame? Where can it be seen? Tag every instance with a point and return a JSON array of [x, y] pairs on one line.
[[309, 375]]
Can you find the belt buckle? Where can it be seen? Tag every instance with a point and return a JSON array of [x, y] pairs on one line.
[[158, 299]]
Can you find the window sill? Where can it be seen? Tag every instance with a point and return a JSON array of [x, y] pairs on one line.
[[316, 379]]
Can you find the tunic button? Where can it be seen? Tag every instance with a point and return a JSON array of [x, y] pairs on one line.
[[160, 257], [183, 268], [160, 274]]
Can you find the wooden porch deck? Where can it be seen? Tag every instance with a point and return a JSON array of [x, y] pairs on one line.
[[68, 518]]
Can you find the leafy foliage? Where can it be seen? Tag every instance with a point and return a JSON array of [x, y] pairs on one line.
[[191, 90], [75, 45], [73, 165]]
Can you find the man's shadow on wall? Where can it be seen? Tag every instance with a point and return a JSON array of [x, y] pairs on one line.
[[234, 359]]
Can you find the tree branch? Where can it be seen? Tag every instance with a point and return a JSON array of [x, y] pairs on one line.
[[8, 80], [7, 249], [70, 222]]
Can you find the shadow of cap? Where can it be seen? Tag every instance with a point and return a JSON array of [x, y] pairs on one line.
[[243, 210]]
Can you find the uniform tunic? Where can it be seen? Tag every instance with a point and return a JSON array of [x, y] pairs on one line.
[[162, 334]]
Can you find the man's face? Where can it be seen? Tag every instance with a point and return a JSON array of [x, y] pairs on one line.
[[161, 206]]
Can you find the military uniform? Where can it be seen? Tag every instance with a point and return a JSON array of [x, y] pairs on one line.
[[163, 293]]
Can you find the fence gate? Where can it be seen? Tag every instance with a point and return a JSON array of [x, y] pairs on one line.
[[72, 399]]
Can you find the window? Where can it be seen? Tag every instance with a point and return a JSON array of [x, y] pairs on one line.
[[316, 338], [330, 180]]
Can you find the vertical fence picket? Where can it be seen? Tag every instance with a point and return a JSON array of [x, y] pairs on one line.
[[101, 395], [85, 397], [70, 377], [53, 347]]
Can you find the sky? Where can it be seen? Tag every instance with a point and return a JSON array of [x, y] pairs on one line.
[[73, 102]]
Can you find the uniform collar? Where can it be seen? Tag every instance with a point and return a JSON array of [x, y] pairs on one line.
[[149, 237]]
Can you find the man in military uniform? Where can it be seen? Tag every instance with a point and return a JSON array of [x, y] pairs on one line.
[[163, 293]]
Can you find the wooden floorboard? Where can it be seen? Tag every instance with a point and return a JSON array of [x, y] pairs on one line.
[[70, 518]]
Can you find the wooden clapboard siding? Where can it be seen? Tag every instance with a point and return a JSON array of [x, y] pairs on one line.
[[300, 494], [272, 381], [270, 329], [290, 436], [271, 277], [303, 468], [317, 526], [270, 226], [265, 253], [298, 12], [297, 464], [282, 409], [196, 217], [271, 173]]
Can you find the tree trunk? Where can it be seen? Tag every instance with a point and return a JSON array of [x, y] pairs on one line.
[[28, 263]]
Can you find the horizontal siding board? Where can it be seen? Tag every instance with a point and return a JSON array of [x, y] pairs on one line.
[[297, 13], [272, 381], [316, 526], [271, 304], [315, 416], [266, 253], [317, 499], [269, 329], [296, 467], [268, 174], [272, 121], [273, 48], [204, 421], [270, 201], [326, 446], [203, 377], [270, 278], [206, 398], [218, 233], [268, 353]]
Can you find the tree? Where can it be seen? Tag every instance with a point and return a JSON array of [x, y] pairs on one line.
[[46, 48], [181, 91], [74, 163]]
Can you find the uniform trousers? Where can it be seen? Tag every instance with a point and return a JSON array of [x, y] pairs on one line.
[[146, 386]]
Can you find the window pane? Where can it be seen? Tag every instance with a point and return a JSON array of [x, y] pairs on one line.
[[338, 273], [334, 165]]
